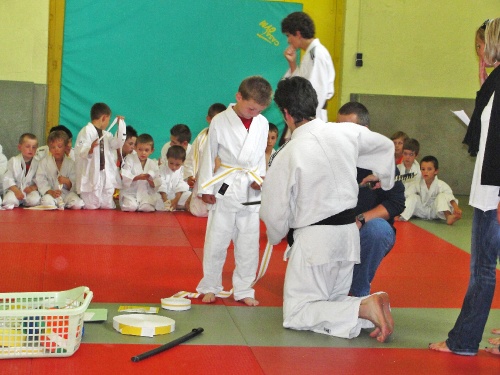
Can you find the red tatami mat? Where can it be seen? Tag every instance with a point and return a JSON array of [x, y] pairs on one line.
[[220, 360], [122, 273], [293, 360], [116, 359], [423, 270], [142, 257], [22, 267]]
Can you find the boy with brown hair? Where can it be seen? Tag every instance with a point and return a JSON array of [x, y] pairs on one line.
[[19, 181], [141, 178], [56, 174], [96, 171], [239, 137]]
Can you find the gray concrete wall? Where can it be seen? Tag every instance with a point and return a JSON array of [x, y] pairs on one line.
[[22, 110], [429, 121]]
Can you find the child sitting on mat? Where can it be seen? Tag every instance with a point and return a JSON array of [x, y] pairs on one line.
[[140, 178], [174, 191], [19, 180]]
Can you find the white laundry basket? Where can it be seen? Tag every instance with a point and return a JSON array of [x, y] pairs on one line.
[[42, 324]]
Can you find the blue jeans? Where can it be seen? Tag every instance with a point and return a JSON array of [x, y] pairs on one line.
[[467, 333], [377, 238]]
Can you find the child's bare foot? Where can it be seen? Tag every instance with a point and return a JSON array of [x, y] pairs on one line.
[[373, 309], [494, 341], [450, 219], [249, 301], [440, 347], [495, 350], [208, 298], [495, 331]]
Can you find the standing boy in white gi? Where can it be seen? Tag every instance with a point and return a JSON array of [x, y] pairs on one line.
[[311, 187], [141, 178], [96, 171], [19, 181], [316, 64], [56, 174], [239, 137]]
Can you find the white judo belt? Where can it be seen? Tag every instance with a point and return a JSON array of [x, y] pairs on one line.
[[229, 170], [225, 294]]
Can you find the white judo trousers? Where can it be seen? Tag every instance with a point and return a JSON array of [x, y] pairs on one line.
[[242, 228], [310, 289]]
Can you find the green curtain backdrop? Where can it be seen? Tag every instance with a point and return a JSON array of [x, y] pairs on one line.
[[160, 63]]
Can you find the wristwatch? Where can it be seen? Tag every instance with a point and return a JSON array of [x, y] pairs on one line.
[[361, 219]]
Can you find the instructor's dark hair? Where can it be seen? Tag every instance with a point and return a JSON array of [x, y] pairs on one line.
[[298, 97]]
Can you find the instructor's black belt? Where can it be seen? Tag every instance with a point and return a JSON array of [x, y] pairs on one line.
[[342, 218]]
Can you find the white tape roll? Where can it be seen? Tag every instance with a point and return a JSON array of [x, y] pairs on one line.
[[175, 304]]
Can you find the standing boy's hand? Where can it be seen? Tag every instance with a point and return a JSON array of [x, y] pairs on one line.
[[254, 185], [208, 198], [190, 181], [94, 144]]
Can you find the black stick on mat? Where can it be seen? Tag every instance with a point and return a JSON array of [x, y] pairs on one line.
[[171, 344]]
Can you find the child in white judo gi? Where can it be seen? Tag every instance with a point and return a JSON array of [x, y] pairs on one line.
[[272, 137], [42, 151], [409, 166], [128, 146], [96, 171], [180, 135], [428, 197], [239, 137], [316, 64], [140, 178], [174, 191], [56, 175], [19, 181], [194, 204], [3, 169], [311, 187]]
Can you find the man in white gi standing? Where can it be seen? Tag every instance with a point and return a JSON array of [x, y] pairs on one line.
[[316, 64], [311, 187]]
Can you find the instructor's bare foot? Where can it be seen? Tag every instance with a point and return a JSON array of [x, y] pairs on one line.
[[208, 298], [495, 350], [440, 347], [450, 219], [373, 309], [494, 341], [249, 301], [495, 331]]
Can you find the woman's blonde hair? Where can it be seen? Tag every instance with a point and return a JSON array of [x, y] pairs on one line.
[[492, 41]]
